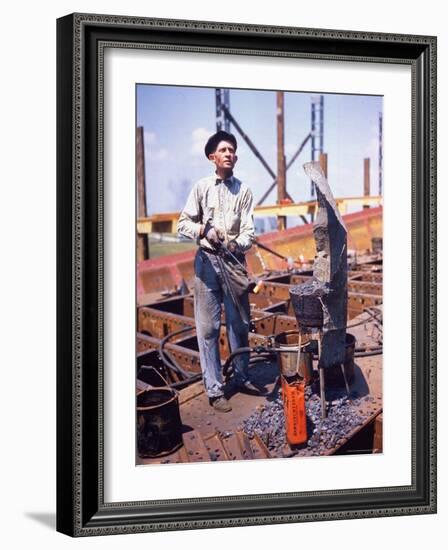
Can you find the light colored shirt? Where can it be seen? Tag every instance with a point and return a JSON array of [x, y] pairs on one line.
[[227, 204]]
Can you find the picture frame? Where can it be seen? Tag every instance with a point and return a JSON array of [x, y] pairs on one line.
[[81, 507]]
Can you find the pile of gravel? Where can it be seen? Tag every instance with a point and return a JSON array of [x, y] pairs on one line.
[[268, 421]]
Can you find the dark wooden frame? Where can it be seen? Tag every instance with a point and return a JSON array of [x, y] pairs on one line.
[[81, 509]]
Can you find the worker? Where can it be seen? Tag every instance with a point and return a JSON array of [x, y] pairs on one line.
[[219, 215]]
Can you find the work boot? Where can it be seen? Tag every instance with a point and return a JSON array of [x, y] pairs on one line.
[[220, 404]]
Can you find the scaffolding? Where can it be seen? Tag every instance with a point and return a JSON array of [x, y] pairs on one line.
[[317, 130], [222, 107], [225, 119]]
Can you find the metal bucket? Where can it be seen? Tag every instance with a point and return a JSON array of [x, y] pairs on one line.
[[289, 341], [159, 427]]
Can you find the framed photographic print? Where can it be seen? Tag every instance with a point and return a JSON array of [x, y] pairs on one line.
[[246, 274]]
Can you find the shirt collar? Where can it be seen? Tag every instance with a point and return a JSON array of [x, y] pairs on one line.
[[218, 180]]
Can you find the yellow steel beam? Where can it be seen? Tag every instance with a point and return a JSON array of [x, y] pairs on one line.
[[149, 224], [303, 208]]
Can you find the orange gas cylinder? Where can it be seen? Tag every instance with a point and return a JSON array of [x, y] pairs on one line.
[[295, 412]]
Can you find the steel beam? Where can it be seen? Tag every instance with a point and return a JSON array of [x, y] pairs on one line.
[[281, 163], [142, 239], [288, 165]]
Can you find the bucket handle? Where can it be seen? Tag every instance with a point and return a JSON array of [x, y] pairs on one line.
[[156, 372], [299, 351]]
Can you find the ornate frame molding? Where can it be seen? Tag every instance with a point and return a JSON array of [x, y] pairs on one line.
[[81, 42]]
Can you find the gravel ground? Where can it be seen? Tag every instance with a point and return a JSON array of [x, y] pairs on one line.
[[268, 421]]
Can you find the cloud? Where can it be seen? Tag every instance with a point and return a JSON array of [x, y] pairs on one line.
[[149, 137], [199, 137], [158, 154], [152, 153]]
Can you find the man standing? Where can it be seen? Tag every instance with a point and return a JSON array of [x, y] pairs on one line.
[[219, 212]]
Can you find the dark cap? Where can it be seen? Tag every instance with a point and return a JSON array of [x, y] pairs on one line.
[[213, 141]]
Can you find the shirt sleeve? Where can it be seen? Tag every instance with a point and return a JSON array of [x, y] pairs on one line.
[[189, 223], [247, 229]]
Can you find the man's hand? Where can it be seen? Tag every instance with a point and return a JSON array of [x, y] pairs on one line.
[[234, 247], [220, 234], [212, 235]]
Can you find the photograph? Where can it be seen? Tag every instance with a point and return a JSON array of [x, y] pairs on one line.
[[234, 275], [246, 271], [259, 274]]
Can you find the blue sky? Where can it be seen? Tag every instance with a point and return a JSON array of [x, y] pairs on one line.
[[178, 120]]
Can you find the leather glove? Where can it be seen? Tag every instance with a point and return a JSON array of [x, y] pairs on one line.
[[211, 235], [234, 247], [220, 234]]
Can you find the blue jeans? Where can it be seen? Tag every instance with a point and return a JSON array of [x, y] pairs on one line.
[[208, 296]]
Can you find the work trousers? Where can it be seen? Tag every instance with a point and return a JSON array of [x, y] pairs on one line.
[[209, 294]]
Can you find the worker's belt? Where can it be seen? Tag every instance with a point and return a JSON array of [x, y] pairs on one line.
[[239, 255]]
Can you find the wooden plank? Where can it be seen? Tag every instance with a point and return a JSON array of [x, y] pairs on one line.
[[190, 392], [195, 447], [259, 448], [232, 447], [215, 448], [182, 456], [245, 447], [378, 434], [172, 458]]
